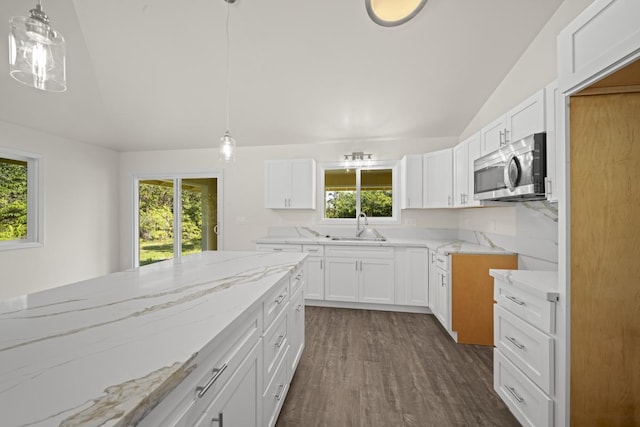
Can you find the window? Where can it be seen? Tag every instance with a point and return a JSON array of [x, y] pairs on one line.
[[20, 200], [157, 221], [347, 192]]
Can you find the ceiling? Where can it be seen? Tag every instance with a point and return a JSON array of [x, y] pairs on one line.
[[150, 74]]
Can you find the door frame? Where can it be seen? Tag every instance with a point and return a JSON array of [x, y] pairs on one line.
[[137, 177]]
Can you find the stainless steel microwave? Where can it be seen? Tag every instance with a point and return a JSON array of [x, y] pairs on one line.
[[513, 173]]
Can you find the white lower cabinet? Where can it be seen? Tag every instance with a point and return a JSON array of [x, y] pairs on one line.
[[524, 354], [242, 377], [440, 289], [314, 269], [360, 274], [412, 276], [238, 403]]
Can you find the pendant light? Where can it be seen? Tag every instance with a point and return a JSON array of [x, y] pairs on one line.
[[37, 52], [227, 143]]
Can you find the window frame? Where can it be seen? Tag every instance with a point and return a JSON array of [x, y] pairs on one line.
[[395, 189], [35, 200], [177, 207]]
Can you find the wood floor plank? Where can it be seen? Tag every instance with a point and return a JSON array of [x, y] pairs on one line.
[[372, 368]]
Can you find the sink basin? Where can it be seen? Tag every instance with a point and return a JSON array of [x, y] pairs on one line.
[[360, 239]]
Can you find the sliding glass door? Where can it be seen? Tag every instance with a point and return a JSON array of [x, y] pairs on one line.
[[175, 216]]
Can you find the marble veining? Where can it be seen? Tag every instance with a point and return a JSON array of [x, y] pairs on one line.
[[105, 351]]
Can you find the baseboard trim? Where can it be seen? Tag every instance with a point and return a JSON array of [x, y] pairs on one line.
[[368, 306]]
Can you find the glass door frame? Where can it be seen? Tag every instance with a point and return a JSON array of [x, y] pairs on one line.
[[177, 208]]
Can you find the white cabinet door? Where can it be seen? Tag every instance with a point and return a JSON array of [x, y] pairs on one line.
[[473, 152], [296, 329], [411, 181], [376, 281], [315, 278], [438, 179], [239, 401], [551, 122], [277, 185], [526, 118], [433, 282], [492, 135], [443, 303], [341, 279], [417, 276], [290, 184], [303, 184], [460, 173]]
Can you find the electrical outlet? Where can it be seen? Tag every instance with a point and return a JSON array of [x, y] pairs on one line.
[[411, 221], [241, 220]]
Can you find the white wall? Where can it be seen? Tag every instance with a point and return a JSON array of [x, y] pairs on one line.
[[244, 214], [80, 214], [534, 70]]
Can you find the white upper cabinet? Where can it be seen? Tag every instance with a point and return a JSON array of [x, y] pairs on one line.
[[525, 119], [464, 155], [290, 184], [605, 34], [411, 181], [437, 176], [551, 186]]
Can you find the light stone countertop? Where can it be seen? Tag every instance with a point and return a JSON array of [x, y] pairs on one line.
[[103, 351], [544, 284], [444, 246]]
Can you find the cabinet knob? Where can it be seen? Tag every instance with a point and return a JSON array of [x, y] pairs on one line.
[[218, 420]]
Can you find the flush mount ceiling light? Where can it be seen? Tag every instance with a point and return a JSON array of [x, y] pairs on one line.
[[391, 13], [227, 143], [37, 52]]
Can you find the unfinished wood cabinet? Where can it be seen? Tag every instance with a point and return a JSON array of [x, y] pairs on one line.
[[472, 295], [605, 249]]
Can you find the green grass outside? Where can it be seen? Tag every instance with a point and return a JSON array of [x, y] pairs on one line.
[[160, 250]]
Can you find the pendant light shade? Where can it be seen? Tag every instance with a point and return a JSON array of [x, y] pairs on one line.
[[37, 52], [227, 148]]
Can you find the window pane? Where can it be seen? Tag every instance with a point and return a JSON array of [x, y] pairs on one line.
[[13, 199], [155, 220], [340, 193], [376, 193], [199, 215]]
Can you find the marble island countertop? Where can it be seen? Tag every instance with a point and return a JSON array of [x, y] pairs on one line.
[[446, 246], [104, 351]]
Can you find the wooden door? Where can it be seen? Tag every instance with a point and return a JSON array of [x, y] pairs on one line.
[[605, 259]]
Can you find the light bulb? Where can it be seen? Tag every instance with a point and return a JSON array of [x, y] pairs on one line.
[[227, 148]]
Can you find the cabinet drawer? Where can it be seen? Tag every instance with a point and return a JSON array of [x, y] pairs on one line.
[[296, 279], [278, 247], [275, 302], [537, 311], [313, 250], [531, 350], [220, 366], [359, 251], [441, 261], [276, 342], [275, 393], [526, 401]]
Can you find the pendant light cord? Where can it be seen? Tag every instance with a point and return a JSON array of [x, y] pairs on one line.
[[227, 66]]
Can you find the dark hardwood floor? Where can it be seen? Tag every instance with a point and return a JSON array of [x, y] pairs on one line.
[[374, 368]]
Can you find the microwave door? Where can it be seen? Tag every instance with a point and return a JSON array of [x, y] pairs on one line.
[[489, 179]]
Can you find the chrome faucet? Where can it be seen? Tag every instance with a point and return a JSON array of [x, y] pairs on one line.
[[366, 222]]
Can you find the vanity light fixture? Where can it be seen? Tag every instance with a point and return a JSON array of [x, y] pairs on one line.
[[391, 13], [37, 52], [356, 160], [227, 143]]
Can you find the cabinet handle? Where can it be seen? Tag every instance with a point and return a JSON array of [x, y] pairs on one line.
[[356, 265], [433, 254], [299, 307], [506, 137], [279, 299], [515, 394], [218, 420], [277, 249], [449, 200], [514, 299], [547, 188], [202, 390], [280, 341], [442, 281], [408, 202], [321, 262], [501, 138], [462, 198], [298, 277], [514, 342], [280, 391]]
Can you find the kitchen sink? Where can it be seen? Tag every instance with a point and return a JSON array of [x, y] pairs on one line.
[[360, 239]]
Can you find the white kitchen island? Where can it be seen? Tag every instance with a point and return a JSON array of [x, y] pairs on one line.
[[139, 346]]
